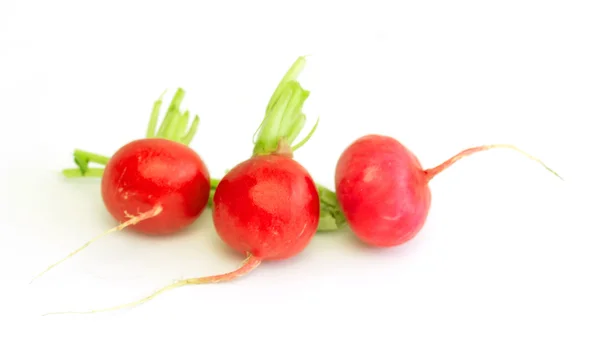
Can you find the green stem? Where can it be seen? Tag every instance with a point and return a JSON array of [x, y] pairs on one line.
[[214, 182], [83, 158], [332, 217], [284, 119], [290, 75], [189, 136], [175, 123], [76, 172], [172, 128], [151, 131], [91, 157]]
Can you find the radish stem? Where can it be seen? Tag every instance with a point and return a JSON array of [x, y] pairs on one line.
[[76, 172], [183, 124], [192, 131], [331, 215], [172, 112], [175, 123], [305, 139], [284, 119], [151, 131], [172, 128], [91, 157], [292, 74]]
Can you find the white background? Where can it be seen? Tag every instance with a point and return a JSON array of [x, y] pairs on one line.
[[506, 267]]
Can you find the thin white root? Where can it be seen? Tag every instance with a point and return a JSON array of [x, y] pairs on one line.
[[248, 265], [132, 221]]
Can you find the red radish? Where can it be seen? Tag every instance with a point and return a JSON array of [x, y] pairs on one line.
[[266, 207], [156, 185], [398, 198], [156, 175]]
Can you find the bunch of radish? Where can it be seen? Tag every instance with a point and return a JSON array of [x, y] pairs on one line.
[[267, 207], [158, 185]]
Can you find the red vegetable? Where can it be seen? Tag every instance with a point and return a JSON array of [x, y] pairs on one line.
[[398, 200], [156, 185], [163, 183], [267, 207]]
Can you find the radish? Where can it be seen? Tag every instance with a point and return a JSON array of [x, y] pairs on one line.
[[156, 185], [398, 199], [266, 207]]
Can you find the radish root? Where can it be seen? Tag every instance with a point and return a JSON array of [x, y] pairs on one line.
[[432, 172], [249, 264], [132, 221]]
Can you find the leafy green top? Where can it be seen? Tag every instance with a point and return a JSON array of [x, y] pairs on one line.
[[284, 118], [175, 123]]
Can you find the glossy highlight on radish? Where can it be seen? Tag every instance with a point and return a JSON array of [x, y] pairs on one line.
[[383, 191]]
